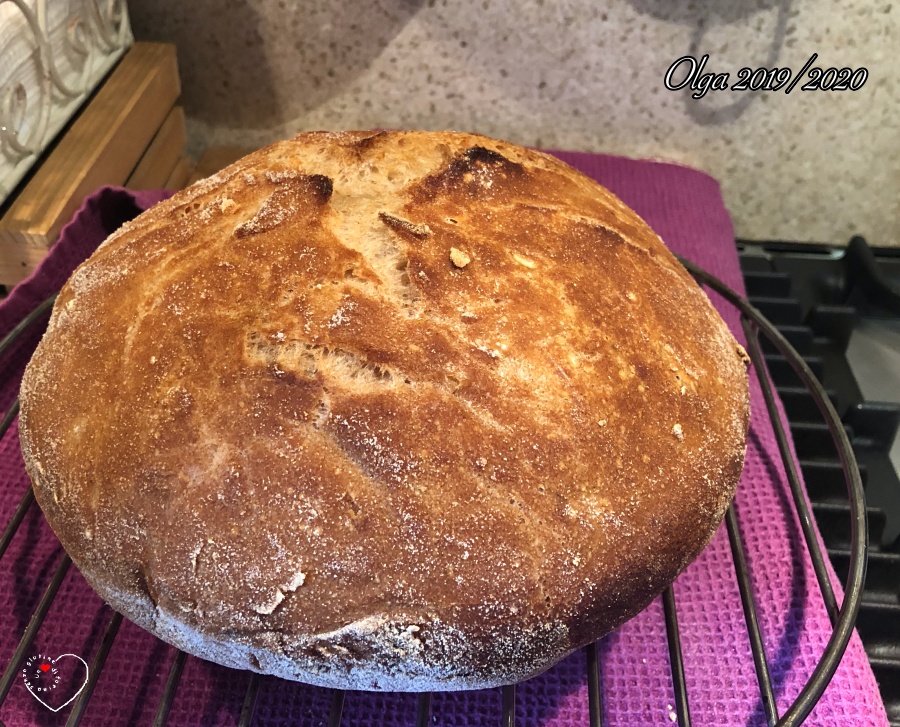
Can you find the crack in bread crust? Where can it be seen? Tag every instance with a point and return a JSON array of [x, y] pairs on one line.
[[385, 410]]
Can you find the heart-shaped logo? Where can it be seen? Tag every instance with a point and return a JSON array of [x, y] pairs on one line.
[[51, 680]]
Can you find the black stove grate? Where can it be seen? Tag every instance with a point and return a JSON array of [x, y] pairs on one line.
[[816, 295], [842, 618]]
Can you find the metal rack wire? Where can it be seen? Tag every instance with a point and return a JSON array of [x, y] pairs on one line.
[[842, 617]]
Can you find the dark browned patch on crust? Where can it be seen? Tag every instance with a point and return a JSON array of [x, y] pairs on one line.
[[478, 158], [368, 142], [321, 186], [292, 194], [405, 228], [476, 170]]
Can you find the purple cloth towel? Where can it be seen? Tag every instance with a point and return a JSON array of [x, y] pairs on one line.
[[685, 207]]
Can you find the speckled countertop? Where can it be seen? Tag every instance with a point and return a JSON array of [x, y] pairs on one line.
[[572, 74]]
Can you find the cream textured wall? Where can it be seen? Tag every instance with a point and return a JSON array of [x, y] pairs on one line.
[[576, 74]]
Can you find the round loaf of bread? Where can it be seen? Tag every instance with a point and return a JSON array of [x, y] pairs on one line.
[[398, 411]]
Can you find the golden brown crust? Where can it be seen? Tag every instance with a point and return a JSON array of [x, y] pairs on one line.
[[385, 411]]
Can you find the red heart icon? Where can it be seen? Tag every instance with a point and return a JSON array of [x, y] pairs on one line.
[[45, 667]]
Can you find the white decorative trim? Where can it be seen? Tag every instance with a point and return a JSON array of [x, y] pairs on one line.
[[52, 55]]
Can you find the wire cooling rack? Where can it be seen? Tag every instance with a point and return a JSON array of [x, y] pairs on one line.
[[842, 618]]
